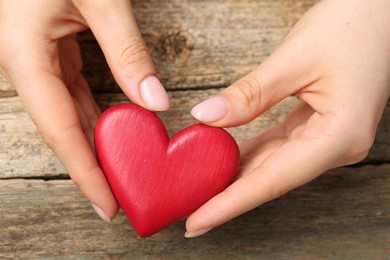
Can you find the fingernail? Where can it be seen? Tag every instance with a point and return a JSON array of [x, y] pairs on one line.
[[101, 213], [154, 94], [210, 110], [192, 234]]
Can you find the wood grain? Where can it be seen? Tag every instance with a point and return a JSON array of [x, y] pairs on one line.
[[344, 214], [198, 44], [201, 44], [23, 154]]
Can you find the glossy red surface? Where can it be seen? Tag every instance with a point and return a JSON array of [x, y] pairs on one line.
[[159, 180]]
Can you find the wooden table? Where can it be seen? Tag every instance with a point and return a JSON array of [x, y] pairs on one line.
[[198, 47]]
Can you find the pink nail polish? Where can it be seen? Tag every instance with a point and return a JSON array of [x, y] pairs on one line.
[[210, 110], [101, 213], [154, 94], [192, 234]]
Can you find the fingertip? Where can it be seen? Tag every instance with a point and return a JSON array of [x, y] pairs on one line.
[[196, 233], [116, 31], [154, 94], [211, 110], [207, 217], [113, 211], [101, 213]]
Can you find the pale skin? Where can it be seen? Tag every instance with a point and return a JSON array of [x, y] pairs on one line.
[[40, 56], [336, 60]]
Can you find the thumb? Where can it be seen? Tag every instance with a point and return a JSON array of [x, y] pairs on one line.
[[281, 75], [115, 28]]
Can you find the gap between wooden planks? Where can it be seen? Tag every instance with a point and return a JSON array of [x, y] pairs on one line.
[[345, 213]]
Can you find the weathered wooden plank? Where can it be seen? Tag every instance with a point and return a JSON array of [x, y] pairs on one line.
[[199, 43], [344, 214], [23, 154], [202, 43]]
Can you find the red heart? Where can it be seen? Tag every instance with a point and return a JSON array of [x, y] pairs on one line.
[[156, 180]]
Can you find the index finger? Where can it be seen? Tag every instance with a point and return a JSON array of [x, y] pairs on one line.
[[116, 30], [51, 107], [293, 164]]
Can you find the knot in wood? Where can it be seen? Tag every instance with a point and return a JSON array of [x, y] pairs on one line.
[[171, 45]]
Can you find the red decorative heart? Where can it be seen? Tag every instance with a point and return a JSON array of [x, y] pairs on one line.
[[156, 180]]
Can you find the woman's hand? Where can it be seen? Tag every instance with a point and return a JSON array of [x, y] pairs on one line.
[[40, 56], [337, 61]]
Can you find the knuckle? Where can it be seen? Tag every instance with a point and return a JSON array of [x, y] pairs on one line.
[[359, 158], [80, 178], [50, 139], [77, 179], [55, 139], [134, 53], [360, 148], [353, 142], [360, 144], [248, 91]]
